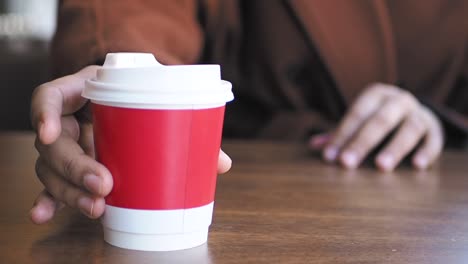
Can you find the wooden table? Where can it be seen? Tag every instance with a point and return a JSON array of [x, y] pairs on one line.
[[279, 204]]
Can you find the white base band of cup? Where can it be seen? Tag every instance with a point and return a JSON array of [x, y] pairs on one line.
[[157, 230], [155, 242]]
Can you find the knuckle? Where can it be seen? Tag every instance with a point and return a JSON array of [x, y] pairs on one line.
[[375, 88], [67, 196], [407, 99], [38, 89], [46, 88], [49, 89], [406, 142], [382, 88], [38, 168], [70, 127], [358, 112], [362, 143], [380, 120], [416, 124], [47, 99], [70, 168]]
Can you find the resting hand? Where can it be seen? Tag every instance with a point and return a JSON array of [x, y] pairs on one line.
[[380, 110]]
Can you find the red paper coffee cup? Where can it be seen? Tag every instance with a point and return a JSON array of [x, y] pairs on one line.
[[158, 130]]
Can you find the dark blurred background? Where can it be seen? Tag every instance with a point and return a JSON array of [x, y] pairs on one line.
[[26, 27]]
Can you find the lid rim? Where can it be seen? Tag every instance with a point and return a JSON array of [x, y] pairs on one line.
[[101, 92], [138, 78]]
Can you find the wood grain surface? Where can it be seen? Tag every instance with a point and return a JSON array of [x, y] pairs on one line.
[[279, 204]]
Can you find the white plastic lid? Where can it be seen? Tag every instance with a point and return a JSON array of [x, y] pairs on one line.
[[138, 78]]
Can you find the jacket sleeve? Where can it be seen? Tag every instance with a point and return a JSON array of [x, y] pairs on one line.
[[88, 30]]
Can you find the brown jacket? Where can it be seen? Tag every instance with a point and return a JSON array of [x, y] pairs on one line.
[[266, 48]]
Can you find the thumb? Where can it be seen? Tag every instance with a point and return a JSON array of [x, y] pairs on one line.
[[224, 162]]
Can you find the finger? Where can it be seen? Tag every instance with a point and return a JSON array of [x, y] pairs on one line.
[[376, 128], [68, 160], [405, 140], [86, 140], [364, 107], [224, 162], [432, 145], [69, 194], [70, 127], [318, 142], [52, 100], [44, 208]]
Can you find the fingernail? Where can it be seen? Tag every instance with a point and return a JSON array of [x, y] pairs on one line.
[[93, 183], [330, 154], [421, 162], [350, 159], [386, 162], [86, 205], [319, 141]]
